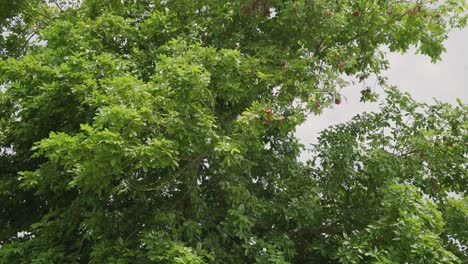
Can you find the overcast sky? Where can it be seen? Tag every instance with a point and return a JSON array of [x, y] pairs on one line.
[[446, 80]]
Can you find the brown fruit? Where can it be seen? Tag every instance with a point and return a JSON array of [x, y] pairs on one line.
[[268, 110], [245, 10], [340, 65], [317, 105], [267, 121], [356, 13], [253, 72], [414, 11], [337, 101]]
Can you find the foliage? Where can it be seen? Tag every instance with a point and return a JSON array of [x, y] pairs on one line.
[[163, 132], [388, 181]]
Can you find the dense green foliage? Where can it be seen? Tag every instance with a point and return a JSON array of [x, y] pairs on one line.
[[387, 181], [163, 132]]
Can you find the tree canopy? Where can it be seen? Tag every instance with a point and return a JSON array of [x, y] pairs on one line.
[[162, 131]]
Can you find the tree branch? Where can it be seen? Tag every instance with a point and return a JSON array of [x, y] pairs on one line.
[[173, 177], [310, 231]]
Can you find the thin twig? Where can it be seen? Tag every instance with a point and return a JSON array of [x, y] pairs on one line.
[[59, 7]]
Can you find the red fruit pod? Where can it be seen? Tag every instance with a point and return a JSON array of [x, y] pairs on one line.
[[356, 13], [317, 105], [337, 101]]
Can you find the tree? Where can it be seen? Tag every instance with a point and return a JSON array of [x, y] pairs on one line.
[[163, 132], [393, 184]]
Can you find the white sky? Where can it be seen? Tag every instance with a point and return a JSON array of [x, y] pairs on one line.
[[445, 81]]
